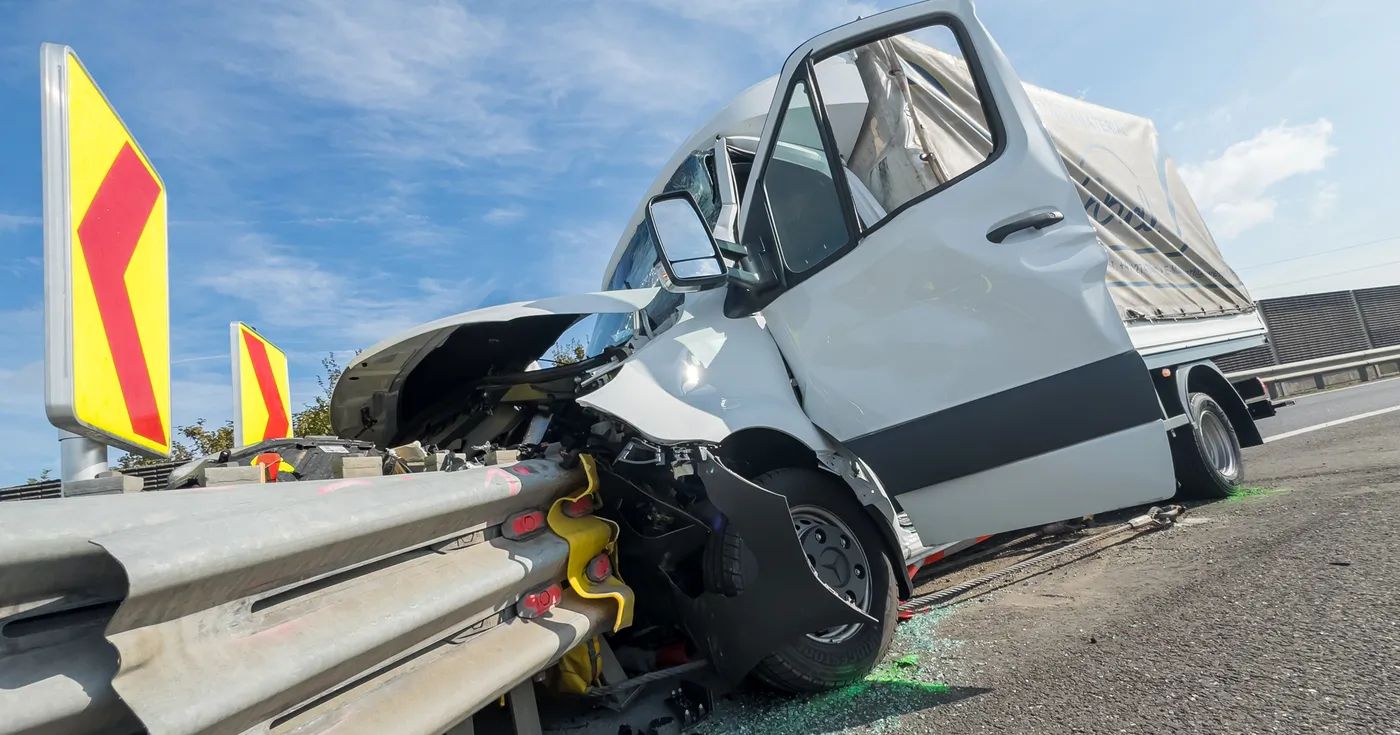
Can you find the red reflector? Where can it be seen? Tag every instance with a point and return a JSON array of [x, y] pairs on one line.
[[600, 568], [522, 524], [579, 508], [271, 460], [539, 602], [906, 616]]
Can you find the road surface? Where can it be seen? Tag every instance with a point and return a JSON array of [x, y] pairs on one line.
[[1317, 409], [1273, 612]]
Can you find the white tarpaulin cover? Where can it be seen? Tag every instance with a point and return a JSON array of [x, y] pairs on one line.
[[1163, 262]]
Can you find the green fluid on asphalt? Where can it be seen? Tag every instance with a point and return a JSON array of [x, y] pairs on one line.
[[1251, 492], [905, 682]]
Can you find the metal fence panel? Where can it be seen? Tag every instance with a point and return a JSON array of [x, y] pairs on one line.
[[1314, 326], [1380, 309], [32, 491], [1253, 358]]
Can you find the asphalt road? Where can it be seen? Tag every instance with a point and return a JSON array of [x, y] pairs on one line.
[[1271, 612], [1318, 408]]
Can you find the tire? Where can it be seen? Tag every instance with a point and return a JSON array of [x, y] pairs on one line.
[[842, 655], [1209, 462]]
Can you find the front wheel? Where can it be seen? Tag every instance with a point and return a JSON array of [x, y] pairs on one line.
[[1209, 462], [843, 546]]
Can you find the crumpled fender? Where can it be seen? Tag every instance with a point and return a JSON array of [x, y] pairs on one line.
[[709, 376], [705, 378]]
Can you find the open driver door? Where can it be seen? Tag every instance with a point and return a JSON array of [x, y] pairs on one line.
[[965, 346]]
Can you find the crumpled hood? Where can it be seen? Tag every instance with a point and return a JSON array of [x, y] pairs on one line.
[[399, 380]]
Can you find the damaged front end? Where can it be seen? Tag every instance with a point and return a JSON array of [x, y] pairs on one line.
[[465, 385]]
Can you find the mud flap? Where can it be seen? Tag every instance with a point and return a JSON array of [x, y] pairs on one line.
[[784, 602]]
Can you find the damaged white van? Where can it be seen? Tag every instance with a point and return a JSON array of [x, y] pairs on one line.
[[893, 281]]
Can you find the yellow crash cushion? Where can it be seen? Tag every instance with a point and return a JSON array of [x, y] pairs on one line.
[[588, 537], [580, 668]]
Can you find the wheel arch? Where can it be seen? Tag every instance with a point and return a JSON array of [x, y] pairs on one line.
[[756, 450], [1205, 377]]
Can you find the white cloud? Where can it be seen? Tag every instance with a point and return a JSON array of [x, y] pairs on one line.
[[1232, 218], [22, 328], [1324, 200], [504, 215], [1218, 118], [299, 295], [579, 255], [436, 80], [420, 75], [457, 83], [31, 444], [16, 221], [1233, 188], [22, 390], [779, 24]]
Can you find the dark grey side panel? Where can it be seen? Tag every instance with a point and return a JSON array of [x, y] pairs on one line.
[[1075, 406]]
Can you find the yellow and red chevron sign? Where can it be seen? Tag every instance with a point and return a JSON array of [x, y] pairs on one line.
[[262, 400], [106, 295]]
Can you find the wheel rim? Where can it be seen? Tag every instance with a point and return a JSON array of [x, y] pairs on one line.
[[1219, 449], [836, 556]]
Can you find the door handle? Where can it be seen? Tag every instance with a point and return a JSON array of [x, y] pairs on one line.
[[1038, 219]]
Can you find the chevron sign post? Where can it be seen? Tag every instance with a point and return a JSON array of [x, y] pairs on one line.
[[107, 310], [262, 403]]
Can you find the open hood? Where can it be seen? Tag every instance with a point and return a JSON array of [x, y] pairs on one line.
[[394, 386]]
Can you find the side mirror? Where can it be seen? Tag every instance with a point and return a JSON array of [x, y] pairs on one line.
[[687, 248]]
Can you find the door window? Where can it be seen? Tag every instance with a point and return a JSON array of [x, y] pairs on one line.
[[924, 122], [809, 223], [901, 117]]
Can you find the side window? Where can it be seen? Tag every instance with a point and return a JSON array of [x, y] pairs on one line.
[[925, 123], [809, 223]]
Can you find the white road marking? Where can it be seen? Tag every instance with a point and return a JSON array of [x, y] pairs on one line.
[[1373, 383], [1329, 424]]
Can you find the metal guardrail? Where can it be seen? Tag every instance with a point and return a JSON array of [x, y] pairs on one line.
[[1326, 372], [381, 604]]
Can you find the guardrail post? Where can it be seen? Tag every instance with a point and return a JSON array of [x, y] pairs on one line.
[[1269, 338], [524, 711], [1361, 319]]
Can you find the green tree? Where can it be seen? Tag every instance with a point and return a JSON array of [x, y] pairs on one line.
[[44, 476], [315, 417], [569, 352], [203, 441]]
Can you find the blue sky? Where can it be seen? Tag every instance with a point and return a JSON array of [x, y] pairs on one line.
[[340, 170]]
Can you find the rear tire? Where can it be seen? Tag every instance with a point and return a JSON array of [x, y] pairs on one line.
[[1209, 462], [820, 504]]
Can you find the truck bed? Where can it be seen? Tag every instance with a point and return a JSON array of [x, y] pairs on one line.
[[1177, 342]]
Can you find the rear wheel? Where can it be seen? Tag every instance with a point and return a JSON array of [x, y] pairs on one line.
[[843, 546], [1208, 459]]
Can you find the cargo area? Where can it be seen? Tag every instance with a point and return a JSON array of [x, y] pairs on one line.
[[1163, 262]]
